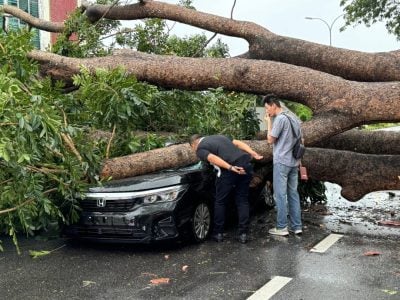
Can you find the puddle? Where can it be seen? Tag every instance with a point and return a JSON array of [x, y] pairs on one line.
[[361, 217]]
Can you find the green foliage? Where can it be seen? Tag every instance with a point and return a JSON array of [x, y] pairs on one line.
[[39, 174], [303, 112], [206, 112], [145, 143], [312, 191], [153, 37], [46, 157], [112, 98], [149, 37], [372, 11], [13, 48], [109, 99], [81, 38]]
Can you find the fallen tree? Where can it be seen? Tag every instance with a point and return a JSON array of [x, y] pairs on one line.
[[344, 89]]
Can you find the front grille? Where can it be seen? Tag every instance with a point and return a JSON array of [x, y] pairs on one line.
[[107, 232], [102, 205]]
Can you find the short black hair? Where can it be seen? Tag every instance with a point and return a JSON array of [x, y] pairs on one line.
[[271, 99], [194, 137]]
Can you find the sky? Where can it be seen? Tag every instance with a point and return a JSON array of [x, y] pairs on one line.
[[287, 18]]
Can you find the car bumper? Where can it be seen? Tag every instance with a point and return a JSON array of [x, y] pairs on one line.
[[143, 225]]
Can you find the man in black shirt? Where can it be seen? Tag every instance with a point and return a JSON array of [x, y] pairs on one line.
[[232, 160]]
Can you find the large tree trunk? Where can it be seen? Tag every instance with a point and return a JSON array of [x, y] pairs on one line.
[[357, 173], [344, 89]]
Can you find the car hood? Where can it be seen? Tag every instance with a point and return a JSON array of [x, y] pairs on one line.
[[161, 179]]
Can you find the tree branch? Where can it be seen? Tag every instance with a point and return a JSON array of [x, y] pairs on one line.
[[338, 104], [33, 21], [263, 44], [358, 174]]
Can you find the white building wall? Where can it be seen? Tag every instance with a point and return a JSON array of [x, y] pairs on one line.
[[44, 13]]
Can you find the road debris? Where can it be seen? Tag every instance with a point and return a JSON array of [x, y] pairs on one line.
[[158, 281], [372, 253], [86, 283], [389, 223]]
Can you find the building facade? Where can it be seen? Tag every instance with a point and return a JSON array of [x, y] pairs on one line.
[[49, 10]]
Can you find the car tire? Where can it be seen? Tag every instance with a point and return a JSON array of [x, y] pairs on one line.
[[200, 223]]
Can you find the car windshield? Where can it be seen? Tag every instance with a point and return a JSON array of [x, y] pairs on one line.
[[197, 166]]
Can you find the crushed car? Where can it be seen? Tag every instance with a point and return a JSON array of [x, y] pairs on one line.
[[169, 204]]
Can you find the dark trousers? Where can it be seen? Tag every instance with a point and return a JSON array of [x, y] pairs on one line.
[[227, 183]]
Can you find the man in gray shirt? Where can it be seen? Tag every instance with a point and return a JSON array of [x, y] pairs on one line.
[[285, 173]]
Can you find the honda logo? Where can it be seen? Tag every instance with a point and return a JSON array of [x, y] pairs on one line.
[[101, 202]]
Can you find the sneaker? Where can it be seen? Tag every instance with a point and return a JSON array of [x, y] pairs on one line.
[[277, 231], [296, 231]]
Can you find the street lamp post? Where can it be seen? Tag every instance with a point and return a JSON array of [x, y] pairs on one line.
[[328, 25]]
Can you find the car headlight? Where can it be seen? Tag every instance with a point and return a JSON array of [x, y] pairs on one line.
[[163, 194], [142, 197]]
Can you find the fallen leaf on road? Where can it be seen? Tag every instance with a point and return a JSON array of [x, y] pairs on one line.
[[40, 253], [157, 281], [87, 283], [372, 253], [389, 223], [36, 254], [390, 292]]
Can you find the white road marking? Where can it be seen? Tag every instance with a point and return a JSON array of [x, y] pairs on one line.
[[270, 288], [324, 245]]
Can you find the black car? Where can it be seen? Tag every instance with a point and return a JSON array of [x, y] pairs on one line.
[[154, 207]]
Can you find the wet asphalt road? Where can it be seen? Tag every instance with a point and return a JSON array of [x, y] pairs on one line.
[[227, 270]]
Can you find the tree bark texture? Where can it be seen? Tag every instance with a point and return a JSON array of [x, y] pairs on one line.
[[265, 45], [338, 104], [357, 173]]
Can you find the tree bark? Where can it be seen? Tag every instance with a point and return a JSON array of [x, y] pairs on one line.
[[358, 174], [33, 21], [338, 104], [265, 45]]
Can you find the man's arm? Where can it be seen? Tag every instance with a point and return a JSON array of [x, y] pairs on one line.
[[270, 139], [218, 161], [246, 148]]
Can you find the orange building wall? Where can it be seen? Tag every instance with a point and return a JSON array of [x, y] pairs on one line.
[[59, 11]]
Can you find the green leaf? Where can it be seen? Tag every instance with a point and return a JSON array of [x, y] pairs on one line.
[[37, 254], [390, 292], [21, 122]]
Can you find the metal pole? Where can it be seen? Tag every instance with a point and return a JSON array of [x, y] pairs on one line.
[[327, 25]]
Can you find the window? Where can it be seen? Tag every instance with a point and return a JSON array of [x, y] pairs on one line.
[[31, 7]]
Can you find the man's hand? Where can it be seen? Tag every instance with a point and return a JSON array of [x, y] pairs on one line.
[[238, 170], [267, 118], [257, 156]]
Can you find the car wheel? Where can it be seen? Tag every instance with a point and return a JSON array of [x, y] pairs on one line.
[[201, 221]]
